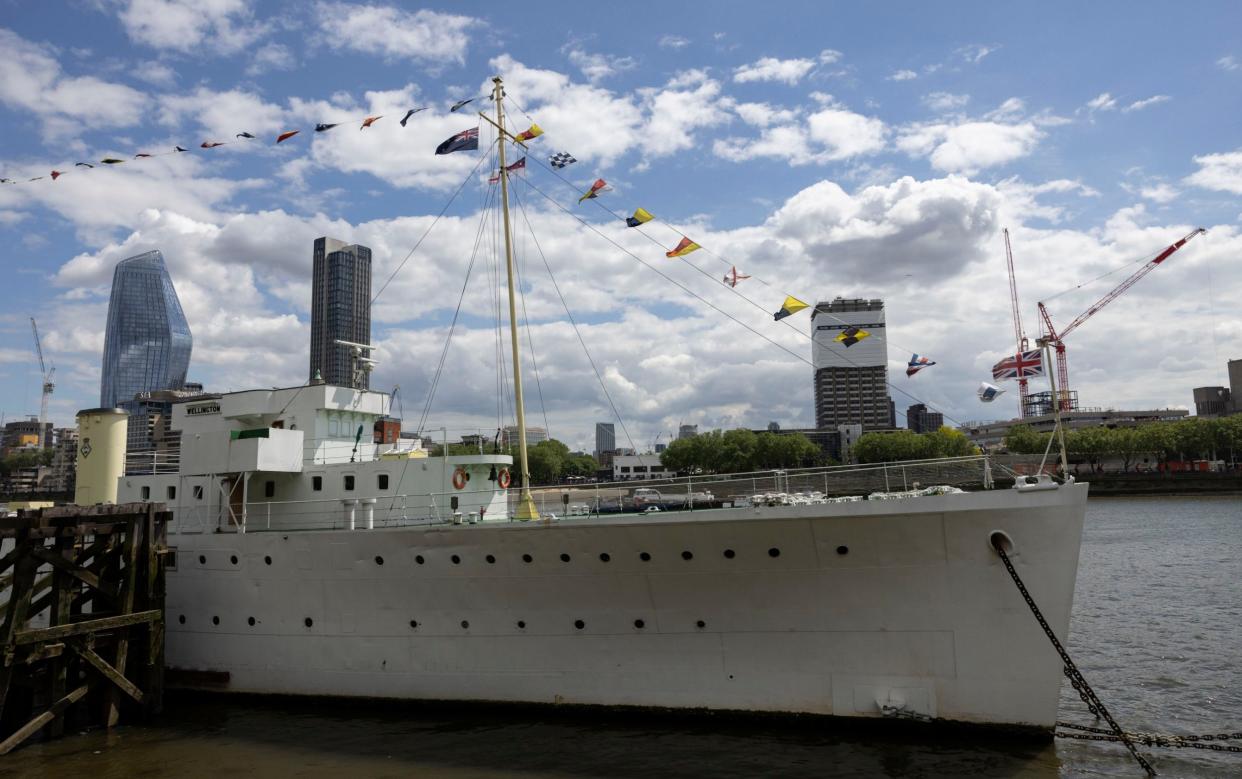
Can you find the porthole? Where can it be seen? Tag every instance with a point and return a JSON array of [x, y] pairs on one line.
[[414, 623], [687, 555], [233, 559], [181, 619], [456, 560], [730, 554], [379, 560], [564, 557], [774, 552], [638, 623], [521, 624], [464, 624], [644, 557], [527, 558], [419, 559], [700, 624], [604, 557], [202, 559], [579, 624], [491, 559], [267, 559], [215, 620], [308, 622], [843, 550], [250, 621]]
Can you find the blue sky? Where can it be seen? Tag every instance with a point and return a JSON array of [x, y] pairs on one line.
[[827, 149]]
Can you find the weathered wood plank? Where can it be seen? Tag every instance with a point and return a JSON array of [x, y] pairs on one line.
[[79, 573], [131, 549], [101, 665], [32, 727], [89, 626], [62, 598]]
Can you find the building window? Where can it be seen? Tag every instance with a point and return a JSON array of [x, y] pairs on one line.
[[198, 492], [172, 493], [269, 489], [382, 481], [317, 483], [349, 483], [625, 469], [640, 469], [146, 492]]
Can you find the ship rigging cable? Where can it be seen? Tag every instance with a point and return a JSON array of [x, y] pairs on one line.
[[574, 324], [703, 300], [734, 290]]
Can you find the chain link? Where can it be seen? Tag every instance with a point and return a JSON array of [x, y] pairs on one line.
[[1075, 676], [1205, 741]]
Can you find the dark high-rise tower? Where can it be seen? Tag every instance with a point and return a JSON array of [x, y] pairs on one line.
[[340, 310], [147, 342]]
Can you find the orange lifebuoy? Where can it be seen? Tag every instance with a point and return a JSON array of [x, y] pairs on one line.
[[459, 479], [503, 479]]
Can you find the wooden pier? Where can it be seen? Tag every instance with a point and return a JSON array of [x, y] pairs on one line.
[[83, 630]]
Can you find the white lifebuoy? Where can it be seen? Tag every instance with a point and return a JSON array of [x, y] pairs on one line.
[[503, 479], [459, 479]]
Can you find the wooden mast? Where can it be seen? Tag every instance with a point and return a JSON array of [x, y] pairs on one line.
[[526, 503]]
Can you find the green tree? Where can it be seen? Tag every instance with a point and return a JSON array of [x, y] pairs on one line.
[[1021, 439], [1090, 443], [948, 442]]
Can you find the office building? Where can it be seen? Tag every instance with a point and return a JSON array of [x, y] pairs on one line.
[[151, 445], [850, 354], [628, 467], [63, 470], [605, 438], [921, 420], [340, 311], [509, 435], [1212, 401], [23, 435], [687, 431], [147, 343]]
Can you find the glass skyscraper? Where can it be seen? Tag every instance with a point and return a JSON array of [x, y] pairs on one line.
[[340, 310], [147, 343]]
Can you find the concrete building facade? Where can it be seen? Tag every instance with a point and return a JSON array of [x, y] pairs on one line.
[[851, 376], [921, 420]]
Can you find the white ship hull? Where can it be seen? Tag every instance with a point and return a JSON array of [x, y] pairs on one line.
[[897, 603]]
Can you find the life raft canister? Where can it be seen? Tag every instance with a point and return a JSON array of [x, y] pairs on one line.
[[503, 479], [460, 477]]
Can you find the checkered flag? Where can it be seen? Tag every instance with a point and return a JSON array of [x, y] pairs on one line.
[[561, 159]]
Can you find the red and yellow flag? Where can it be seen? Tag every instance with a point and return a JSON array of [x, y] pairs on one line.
[[683, 248]]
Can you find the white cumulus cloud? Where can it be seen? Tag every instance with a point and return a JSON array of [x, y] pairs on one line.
[[192, 26], [422, 35], [789, 71], [1222, 172]]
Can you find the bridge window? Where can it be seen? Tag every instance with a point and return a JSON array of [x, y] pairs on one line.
[[146, 492], [269, 489], [198, 492], [349, 482], [317, 483], [172, 492], [382, 481]]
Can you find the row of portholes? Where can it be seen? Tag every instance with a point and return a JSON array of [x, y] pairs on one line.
[[604, 557], [465, 624]]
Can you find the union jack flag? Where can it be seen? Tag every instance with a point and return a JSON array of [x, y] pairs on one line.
[[1022, 365]]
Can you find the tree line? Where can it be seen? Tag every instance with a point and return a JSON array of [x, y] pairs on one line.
[[1195, 438], [739, 451], [909, 445]]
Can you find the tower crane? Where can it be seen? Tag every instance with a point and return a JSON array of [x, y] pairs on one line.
[[48, 384], [1057, 339], [1019, 334]]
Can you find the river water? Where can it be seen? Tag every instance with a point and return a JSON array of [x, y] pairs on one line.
[[1157, 631]]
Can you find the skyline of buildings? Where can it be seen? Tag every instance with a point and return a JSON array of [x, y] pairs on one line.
[[147, 341], [340, 311]]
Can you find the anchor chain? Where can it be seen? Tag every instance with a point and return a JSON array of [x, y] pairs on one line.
[[1205, 741], [1071, 671]]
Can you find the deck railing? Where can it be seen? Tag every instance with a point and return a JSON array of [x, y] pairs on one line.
[[687, 493]]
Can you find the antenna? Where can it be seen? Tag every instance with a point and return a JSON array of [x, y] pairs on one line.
[[362, 366]]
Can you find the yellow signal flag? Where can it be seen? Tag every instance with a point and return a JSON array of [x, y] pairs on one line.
[[684, 247], [790, 307], [534, 132]]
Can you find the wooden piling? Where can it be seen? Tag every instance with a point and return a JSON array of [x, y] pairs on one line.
[[95, 576]]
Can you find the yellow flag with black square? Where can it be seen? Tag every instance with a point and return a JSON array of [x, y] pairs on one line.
[[791, 306], [851, 335]]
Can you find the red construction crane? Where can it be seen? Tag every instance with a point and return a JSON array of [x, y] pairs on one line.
[[1058, 339], [1018, 332]]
